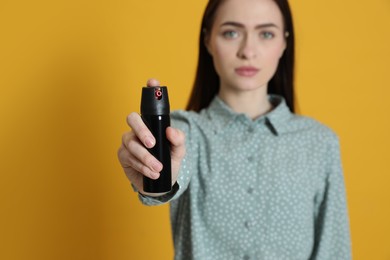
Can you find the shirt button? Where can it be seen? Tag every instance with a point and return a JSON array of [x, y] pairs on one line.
[[251, 129], [250, 158], [250, 190], [246, 257], [246, 224]]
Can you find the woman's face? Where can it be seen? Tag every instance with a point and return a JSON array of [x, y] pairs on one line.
[[246, 42]]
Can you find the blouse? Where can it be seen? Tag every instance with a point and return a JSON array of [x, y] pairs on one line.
[[270, 188]]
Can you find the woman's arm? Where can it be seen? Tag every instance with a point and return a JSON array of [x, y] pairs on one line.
[[332, 233]]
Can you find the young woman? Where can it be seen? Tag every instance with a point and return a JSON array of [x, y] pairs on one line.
[[251, 179]]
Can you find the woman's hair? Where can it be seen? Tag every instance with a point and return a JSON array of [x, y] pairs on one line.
[[206, 84]]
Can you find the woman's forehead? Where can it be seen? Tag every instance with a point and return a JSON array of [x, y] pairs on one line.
[[249, 12]]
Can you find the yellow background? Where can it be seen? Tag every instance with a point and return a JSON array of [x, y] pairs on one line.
[[70, 72]]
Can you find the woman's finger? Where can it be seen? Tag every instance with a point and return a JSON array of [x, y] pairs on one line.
[[128, 160], [177, 139], [140, 153], [141, 130], [152, 82]]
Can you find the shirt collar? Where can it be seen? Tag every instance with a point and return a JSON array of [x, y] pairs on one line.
[[222, 114]]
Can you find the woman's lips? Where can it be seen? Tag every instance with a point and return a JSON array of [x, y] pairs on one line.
[[247, 71]]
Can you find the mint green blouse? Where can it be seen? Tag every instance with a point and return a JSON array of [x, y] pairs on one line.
[[269, 189]]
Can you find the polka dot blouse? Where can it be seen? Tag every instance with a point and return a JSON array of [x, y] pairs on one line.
[[270, 188]]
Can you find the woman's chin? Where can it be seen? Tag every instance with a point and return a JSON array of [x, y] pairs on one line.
[[248, 85]]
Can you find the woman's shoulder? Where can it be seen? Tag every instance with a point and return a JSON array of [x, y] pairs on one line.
[[312, 126], [185, 116], [186, 120]]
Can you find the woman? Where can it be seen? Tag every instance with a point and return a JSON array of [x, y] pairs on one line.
[[251, 180]]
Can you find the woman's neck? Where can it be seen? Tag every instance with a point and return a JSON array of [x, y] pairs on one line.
[[252, 103]]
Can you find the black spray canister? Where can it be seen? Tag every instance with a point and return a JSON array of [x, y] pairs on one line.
[[155, 114]]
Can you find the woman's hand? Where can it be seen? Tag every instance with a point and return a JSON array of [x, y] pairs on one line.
[[137, 161]]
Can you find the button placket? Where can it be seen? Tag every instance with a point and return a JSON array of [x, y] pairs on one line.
[[251, 159]]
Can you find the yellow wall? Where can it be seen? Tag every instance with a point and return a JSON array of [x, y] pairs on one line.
[[70, 72]]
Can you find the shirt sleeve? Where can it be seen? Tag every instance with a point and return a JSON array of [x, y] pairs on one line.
[[181, 120], [332, 233]]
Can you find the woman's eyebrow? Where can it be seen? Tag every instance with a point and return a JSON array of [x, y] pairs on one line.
[[240, 25]]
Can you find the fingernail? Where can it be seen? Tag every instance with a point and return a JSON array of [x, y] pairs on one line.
[[156, 166], [155, 175], [149, 142]]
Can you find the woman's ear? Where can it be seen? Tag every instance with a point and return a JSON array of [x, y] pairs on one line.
[[284, 50], [286, 35], [206, 40]]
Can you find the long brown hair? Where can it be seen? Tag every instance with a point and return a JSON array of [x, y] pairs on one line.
[[206, 84]]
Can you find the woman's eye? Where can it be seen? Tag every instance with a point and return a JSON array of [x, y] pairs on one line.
[[267, 35], [230, 34]]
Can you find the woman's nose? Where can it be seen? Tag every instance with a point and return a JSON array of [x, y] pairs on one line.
[[247, 49]]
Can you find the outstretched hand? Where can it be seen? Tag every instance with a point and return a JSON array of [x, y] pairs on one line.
[[137, 161]]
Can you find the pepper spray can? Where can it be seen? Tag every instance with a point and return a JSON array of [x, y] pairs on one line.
[[155, 114]]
